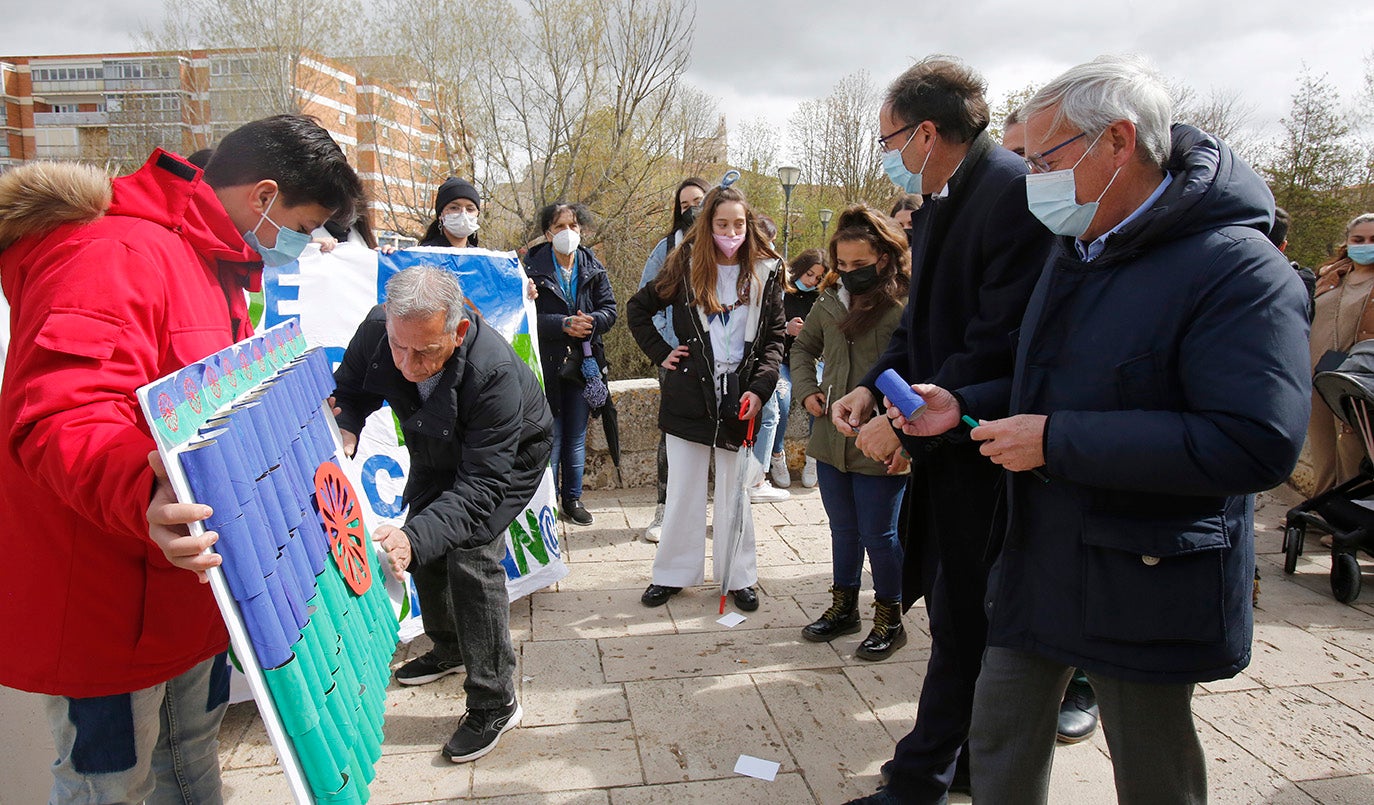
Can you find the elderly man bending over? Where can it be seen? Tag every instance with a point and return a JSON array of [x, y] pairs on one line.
[[479, 433]]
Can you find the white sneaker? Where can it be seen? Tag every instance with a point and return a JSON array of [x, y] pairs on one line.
[[651, 534], [767, 493], [778, 469], [809, 473]]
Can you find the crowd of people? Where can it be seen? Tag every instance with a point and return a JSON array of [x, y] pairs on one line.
[[1112, 353]]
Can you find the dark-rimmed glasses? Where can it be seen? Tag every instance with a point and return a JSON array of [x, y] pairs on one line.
[[1038, 163], [883, 138]]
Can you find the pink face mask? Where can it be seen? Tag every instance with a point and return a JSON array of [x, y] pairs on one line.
[[728, 244]]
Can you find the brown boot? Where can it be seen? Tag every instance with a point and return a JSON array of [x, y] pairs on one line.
[[841, 618], [887, 635]]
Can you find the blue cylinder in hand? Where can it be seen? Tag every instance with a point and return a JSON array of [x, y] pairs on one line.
[[900, 394]]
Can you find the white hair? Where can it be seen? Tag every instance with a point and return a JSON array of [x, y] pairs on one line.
[[1094, 95], [421, 291]]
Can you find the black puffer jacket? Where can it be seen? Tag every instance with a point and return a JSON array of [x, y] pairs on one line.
[[688, 408], [485, 430], [594, 297]]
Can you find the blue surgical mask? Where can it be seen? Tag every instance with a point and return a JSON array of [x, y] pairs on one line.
[[1361, 253], [801, 286], [1053, 198], [896, 169], [290, 243]]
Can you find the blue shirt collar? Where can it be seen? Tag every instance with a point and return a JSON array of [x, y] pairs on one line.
[[1093, 250]]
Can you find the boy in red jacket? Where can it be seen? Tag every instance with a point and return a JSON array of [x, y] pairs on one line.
[[113, 284]]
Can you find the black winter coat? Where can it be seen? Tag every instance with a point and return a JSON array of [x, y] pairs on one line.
[[484, 430], [594, 297], [796, 304], [1174, 372], [688, 408], [975, 256]]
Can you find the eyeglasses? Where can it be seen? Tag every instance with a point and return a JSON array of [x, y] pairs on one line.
[[1038, 163], [883, 138]]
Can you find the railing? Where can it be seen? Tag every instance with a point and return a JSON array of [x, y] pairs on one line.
[[71, 118]]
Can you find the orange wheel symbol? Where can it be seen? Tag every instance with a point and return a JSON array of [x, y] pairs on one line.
[[343, 522]]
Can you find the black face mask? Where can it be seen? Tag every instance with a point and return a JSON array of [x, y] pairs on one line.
[[860, 280], [689, 217]]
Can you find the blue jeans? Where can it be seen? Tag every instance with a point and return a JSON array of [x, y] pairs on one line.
[[784, 398], [863, 513], [768, 425], [570, 442], [158, 744]]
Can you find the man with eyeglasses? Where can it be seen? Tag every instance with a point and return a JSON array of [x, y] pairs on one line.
[[1161, 379], [975, 251]]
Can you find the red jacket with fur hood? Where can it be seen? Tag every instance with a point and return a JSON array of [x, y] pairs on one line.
[[111, 284]]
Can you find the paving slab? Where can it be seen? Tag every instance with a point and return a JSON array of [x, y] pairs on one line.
[[595, 614], [1301, 732], [786, 788], [562, 683], [829, 729], [629, 659], [696, 729], [538, 761]]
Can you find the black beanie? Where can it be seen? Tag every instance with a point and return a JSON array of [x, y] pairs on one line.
[[455, 188]]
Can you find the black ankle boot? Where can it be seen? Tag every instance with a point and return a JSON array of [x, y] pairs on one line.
[[887, 635], [841, 618]]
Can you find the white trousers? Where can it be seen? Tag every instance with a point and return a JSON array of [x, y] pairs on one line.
[[681, 557]]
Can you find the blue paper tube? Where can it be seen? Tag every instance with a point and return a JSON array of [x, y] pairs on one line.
[[240, 565], [249, 441], [315, 542], [264, 427], [279, 588], [271, 506], [283, 483], [297, 591], [265, 629], [204, 465], [300, 566]]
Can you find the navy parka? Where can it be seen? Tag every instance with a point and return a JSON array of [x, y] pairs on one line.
[[1174, 371]]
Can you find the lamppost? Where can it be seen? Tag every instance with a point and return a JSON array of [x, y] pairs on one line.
[[825, 215], [789, 175]]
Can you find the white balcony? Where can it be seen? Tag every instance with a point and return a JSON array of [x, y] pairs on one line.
[[71, 118]]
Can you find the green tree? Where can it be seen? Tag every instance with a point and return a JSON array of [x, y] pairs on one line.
[[1311, 167]]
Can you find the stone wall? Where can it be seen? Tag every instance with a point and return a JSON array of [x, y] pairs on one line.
[[636, 401]]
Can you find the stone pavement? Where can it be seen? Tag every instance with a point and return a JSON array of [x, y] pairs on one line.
[[627, 706]]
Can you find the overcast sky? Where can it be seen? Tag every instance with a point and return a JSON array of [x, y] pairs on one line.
[[761, 57]]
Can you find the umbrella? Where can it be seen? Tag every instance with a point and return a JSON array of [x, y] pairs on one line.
[[610, 425], [593, 384], [736, 508]]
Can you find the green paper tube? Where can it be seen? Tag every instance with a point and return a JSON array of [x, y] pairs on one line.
[[341, 714], [314, 646], [304, 651], [291, 693], [322, 771]]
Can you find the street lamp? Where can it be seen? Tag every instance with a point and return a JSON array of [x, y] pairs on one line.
[[789, 175], [825, 215]]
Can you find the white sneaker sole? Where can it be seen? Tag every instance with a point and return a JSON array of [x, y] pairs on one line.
[[510, 725], [425, 680]]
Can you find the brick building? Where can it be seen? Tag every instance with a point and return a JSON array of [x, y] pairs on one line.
[[112, 109]]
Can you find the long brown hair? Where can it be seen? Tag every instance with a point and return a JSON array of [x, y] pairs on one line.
[[864, 224], [695, 259]]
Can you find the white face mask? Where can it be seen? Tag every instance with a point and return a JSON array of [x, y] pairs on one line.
[[461, 224], [566, 241], [1053, 198]]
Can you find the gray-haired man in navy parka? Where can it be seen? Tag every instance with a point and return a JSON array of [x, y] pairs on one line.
[[1161, 379]]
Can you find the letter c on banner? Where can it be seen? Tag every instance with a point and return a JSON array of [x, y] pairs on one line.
[[382, 463]]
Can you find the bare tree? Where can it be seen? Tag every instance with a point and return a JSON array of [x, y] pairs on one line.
[[1220, 113], [834, 140]]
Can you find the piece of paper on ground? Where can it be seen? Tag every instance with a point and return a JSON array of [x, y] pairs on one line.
[[731, 620], [757, 767]]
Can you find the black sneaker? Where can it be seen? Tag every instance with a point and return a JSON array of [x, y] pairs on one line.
[[425, 669], [575, 511], [479, 731]]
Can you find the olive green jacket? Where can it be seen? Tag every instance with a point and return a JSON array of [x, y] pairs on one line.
[[846, 363]]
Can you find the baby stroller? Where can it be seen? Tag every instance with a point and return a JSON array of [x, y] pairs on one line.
[[1346, 512]]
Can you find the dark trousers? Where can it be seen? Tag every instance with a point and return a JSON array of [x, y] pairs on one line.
[[662, 449], [952, 500], [464, 604], [1156, 754]]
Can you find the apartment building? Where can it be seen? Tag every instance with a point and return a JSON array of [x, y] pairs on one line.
[[113, 109]]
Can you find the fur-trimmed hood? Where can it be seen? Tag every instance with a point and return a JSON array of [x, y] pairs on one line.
[[41, 199], [39, 196]]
